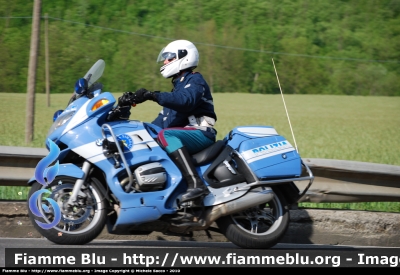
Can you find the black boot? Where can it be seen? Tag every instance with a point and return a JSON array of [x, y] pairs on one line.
[[196, 187]]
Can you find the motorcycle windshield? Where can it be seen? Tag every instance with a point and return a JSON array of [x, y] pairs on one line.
[[95, 72], [61, 117]]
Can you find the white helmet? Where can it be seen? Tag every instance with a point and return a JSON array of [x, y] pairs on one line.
[[185, 54]]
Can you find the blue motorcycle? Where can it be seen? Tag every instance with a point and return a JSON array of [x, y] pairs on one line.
[[114, 174]]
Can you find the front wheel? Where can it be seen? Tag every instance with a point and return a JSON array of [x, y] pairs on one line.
[[78, 224], [259, 227]]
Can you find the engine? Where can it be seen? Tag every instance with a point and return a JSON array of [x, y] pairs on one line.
[[150, 177]]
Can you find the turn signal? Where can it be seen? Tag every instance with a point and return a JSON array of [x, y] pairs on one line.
[[99, 104]]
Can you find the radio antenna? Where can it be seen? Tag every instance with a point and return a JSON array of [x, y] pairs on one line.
[[287, 114]]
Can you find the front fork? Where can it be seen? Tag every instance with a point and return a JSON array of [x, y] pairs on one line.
[[78, 184]]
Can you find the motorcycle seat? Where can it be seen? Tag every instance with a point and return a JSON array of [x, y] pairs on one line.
[[208, 154]]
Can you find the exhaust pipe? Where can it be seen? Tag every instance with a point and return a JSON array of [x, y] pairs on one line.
[[253, 198]]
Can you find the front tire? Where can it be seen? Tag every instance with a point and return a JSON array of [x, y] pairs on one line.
[[79, 224], [259, 227]]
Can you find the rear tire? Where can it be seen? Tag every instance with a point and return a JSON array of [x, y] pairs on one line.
[[79, 224], [259, 227]]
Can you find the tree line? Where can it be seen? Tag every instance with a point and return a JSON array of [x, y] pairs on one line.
[[343, 47]]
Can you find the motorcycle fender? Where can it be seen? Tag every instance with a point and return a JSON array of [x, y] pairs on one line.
[[68, 169]]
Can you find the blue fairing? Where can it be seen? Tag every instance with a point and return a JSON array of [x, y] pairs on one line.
[[80, 112]]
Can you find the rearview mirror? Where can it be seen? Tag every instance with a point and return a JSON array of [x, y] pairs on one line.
[[81, 86]]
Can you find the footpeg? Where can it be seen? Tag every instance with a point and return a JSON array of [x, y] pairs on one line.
[[195, 194]]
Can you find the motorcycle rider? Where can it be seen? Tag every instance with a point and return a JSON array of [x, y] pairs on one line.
[[187, 117]]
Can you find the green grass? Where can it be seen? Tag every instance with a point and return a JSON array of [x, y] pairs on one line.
[[14, 193], [355, 128]]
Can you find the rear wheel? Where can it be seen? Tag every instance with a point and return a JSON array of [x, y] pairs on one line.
[[78, 224], [258, 227]]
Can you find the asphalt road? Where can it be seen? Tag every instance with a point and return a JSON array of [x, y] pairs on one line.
[[102, 256]]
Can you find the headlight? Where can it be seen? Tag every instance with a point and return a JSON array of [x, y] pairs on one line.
[[61, 120]]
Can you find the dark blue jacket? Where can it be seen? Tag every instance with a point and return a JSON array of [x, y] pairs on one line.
[[190, 96]]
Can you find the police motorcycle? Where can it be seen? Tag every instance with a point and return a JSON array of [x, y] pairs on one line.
[[114, 174]]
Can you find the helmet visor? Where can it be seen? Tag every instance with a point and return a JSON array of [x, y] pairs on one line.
[[165, 55]]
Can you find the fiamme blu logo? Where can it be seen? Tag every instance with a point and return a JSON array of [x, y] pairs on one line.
[[45, 174]]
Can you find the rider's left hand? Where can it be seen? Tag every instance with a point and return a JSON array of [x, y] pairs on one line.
[[126, 99], [119, 113]]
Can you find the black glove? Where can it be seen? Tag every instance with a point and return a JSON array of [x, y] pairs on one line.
[[119, 113], [142, 95], [127, 99]]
